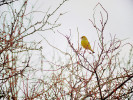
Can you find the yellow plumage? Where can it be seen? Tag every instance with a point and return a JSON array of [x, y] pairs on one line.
[[85, 43]]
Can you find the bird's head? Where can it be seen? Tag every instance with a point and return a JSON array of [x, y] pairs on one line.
[[83, 38]]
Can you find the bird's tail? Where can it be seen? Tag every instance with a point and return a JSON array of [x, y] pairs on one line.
[[92, 51]]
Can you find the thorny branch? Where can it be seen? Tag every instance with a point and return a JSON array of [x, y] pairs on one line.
[[3, 2], [106, 59], [14, 50]]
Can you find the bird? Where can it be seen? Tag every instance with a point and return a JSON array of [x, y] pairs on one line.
[[85, 43]]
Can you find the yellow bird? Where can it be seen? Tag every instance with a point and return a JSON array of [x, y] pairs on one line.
[[85, 43]]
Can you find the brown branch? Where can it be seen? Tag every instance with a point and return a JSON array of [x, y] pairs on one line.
[[3, 2], [99, 85], [114, 90]]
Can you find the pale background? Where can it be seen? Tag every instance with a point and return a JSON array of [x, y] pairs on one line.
[[79, 12], [77, 15]]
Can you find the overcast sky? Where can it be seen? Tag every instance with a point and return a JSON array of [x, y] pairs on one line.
[[79, 12], [120, 22]]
